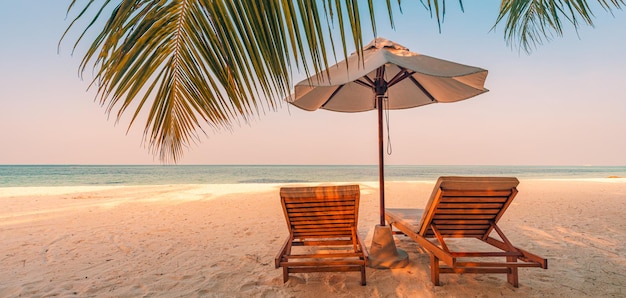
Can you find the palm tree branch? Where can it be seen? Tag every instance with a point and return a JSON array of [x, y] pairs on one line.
[[530, 22]]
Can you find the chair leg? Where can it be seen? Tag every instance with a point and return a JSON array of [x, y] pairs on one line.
[[363, 281], [285, 274], [512, 276], [434, 269]]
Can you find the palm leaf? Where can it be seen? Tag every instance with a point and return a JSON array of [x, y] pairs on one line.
[[528, 23], [187, 64]]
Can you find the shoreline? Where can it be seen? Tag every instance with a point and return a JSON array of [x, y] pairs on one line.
[[220, 240], [17, 189], [64, 175]]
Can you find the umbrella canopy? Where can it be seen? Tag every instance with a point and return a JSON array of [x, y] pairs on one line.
[[389, 73]]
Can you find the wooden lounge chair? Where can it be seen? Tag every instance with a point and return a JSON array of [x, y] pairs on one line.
[[323, 220], [466, 207]]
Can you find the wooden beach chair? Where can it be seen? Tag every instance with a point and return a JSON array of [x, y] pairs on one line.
[[466, 207], [323, 235]]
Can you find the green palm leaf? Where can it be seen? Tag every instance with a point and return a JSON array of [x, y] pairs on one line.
[[531, 22], [190, 63]]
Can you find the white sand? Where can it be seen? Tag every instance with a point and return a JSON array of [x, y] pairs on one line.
[[221, 240]]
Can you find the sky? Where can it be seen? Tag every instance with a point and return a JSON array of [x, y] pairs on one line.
[[564, 104]]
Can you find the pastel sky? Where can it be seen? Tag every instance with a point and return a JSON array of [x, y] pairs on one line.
[[564, 104]]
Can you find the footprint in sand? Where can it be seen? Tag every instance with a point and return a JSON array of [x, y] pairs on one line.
[[255, 258], [120, 244], [249, 286], [46, 249]]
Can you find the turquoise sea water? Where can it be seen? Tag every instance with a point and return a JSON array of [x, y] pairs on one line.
[[66, 175]]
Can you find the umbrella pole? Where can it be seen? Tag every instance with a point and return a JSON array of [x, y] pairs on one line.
[[381, 164], [383, 251]]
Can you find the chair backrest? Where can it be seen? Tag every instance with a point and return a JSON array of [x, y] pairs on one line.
[[466, 206], [321, 211]]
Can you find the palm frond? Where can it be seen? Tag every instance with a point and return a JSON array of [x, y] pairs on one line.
[[531, 22], [188, 64]]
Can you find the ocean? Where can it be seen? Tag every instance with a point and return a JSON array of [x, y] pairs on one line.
[[75, 175]]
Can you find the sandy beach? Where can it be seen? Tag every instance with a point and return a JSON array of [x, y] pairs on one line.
[[220, 240]]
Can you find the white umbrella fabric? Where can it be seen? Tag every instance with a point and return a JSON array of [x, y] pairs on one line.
[[389, 76]]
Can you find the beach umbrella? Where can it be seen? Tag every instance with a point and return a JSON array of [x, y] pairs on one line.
[[391, 77]]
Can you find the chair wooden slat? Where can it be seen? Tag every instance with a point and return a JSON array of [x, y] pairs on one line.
[[464, 216], [475, 199], [321, 255], [467, 211], [460, 221], [470, 206], [321, 204], [325, 241], [462, 227], [474, 191], [314, 213]]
